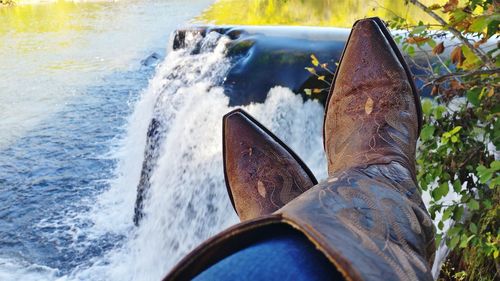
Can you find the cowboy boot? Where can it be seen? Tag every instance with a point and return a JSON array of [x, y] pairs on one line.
[[262, 174], [367, 218], [373, 113]]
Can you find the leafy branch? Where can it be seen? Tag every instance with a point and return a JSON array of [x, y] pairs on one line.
[[484, 58], [460, 139], [446, 77]]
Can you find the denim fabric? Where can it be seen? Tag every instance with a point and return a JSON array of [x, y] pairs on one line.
[[288, 256]]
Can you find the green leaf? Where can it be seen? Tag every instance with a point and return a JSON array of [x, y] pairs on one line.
[[431, 43], [454, 230], [429, 177], [457, 215], [487, 204], [438, 239], [471, 60], [455, 130], [473, 228], [457, 186], [495, 182], [418, 29], [471, 237], [463, 241], [484, 174], [473, 204], [473, 96], [427, 107], [440, 191], [427, 132], [453, 242], [495, 165], [411, 51], [448, 212], [493, 27], [479, 24], [459, 15], [438, 111]]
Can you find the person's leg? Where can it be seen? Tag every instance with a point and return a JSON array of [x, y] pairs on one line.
[[289, 256]]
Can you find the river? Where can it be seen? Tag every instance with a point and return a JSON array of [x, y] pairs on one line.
[[79, 85], [70, 74]]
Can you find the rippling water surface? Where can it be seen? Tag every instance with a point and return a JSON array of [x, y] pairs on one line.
[[79, 85], [69, 73], [50, 53]]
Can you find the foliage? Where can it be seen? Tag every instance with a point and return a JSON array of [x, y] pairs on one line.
[[460, 139], [323, 73], [6, 2], [338, 13]]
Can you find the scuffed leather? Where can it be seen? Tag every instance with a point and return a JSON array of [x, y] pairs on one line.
[[371, 115], [262, 174], [372, 219]]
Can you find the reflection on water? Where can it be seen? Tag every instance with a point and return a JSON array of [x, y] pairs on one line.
[[337, 13], [49, 17], [67, 74], [50, 52]]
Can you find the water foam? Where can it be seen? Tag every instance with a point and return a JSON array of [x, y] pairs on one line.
[[187, 200]]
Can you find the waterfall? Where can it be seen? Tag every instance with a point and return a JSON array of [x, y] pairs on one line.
[[186, 201], [179, 159]]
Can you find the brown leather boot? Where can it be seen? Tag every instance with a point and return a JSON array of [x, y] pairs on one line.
[[373, 113], [367, 218], [262, 174]]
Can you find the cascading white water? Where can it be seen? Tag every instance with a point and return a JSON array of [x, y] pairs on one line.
[[187, 201]]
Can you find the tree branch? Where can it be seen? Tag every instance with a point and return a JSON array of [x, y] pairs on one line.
[[484, 58], [443, 78]]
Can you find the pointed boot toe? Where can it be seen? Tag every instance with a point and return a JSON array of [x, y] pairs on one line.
[[373, 110], [262, 174]]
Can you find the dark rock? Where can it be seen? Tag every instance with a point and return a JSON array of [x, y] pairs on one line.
[[151, 60]]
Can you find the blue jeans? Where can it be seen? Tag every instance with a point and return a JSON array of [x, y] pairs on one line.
[[288, 256]]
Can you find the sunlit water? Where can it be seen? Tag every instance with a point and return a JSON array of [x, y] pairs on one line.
[[68, 75], [75, 105], [50, 53], [71, 183], [338, 13]]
